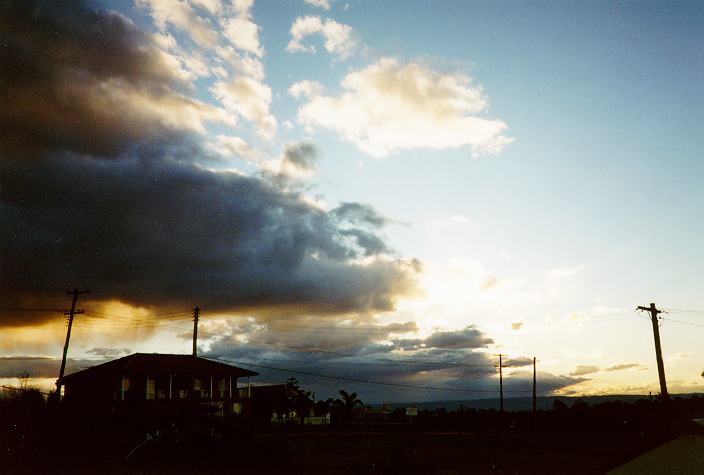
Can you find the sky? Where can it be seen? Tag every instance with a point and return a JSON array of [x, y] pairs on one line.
[[375, 196]]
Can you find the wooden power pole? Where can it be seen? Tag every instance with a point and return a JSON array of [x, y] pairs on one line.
[[534, 398], [196, 314], [70, 314], [501, 382], [658, 350]]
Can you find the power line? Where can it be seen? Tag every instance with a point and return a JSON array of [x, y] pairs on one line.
[[683, 322], [31, 309], [681, 310], [364, 381]]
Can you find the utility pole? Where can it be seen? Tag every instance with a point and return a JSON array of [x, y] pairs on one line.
[[535, 405], [196, 314], [534, 398], [70, 314], [501, 382], [658, 350]]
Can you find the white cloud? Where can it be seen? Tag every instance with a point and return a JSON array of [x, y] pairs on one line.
[[243, 33], [214, 7], [242, 7], [181, 15], [306, 89], [389, 106], [227, 145], [324, 4], [562, 273], [243, 64], [338, 37], [250, 99]]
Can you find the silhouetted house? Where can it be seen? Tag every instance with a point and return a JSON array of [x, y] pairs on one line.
[[162, 382]]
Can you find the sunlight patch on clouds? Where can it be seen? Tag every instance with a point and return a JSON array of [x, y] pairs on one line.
[[181, 15], [116, 97], [230, 146], [338, 37], [389, 106], [46, 338], [250, 99], [242, 32]]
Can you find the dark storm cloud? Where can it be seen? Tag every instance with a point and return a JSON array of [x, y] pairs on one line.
[[469, 337], [513, 362], [66, 71], [164, 232], [40, 367], [101, 187], [378, 372], [360, 214]]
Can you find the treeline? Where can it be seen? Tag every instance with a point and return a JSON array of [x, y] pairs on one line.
[[641, 417]]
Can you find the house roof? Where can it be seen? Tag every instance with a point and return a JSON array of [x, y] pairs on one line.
[[155, 363]]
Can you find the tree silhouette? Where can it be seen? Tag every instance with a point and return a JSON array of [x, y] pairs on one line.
[[297, 399], [345, 405]]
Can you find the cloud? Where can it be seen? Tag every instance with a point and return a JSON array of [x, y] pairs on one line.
[[389, 106], [620, 367], [241, 31], [103, 185], [298, 161], [245, 65], [61, 92], [469, 337], [338, 37], [151, 231], [180, 14], [359, 214], [300, 156], [250, 99], [354, 356], [228, 145], [583, 370], [214, 7], [489, 283], [109, 353], [562, 273], [40, 366], [306, 89], [324, 4]]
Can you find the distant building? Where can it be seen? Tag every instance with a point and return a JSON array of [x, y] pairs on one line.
[[159, 381]]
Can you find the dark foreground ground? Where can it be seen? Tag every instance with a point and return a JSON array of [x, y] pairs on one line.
[[355, 450], [580, 439], [399, 451]]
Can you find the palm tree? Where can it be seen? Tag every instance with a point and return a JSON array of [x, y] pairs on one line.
[[345, 405], [350, 401]]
